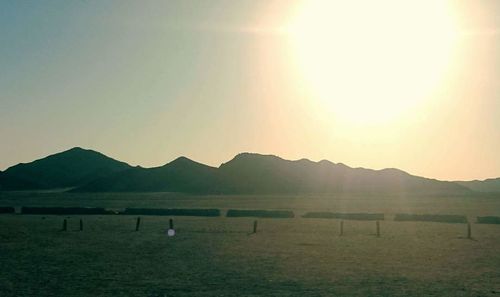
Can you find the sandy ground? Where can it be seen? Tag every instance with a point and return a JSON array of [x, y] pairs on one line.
[[220, 257]]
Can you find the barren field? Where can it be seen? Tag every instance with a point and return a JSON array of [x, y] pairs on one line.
[[220, 257], [388, 204]]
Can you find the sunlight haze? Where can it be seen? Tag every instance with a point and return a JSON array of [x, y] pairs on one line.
[[413, 85]]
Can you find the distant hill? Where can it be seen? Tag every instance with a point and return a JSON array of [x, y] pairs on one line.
[[266, 174], [247, 173], [180, 175], [491, 185], [254, 173], [71, 168]]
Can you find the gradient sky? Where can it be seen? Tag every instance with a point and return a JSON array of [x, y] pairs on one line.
[[148, 81]]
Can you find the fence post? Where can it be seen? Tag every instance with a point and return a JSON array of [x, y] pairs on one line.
[[469, 231], [341, 228], [81, 225], [378, 228], [65, 225], [255, 226], [138, 223]]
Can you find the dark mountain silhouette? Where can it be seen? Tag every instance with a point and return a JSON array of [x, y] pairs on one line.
[[254, 173], [8, 182], [491, 185], [265, 174], [71, 168], [180, 175], [247, 173]]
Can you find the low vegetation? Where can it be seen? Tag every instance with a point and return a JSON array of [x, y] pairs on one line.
[[488, 220], [65, 210], [345, 216], [172, 212], [260, 213], [431, 218]]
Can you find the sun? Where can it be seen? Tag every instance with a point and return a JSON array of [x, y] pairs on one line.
[[372, 61]]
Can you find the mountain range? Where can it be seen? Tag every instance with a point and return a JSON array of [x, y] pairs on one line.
[[83, 170]]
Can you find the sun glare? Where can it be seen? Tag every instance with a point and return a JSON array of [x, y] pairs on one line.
[[372, 61]]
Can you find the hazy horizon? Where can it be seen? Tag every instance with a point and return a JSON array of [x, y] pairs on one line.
[[413, 86]]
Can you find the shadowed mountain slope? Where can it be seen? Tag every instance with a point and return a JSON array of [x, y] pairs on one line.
[[8, 182], [254, 173], [71, 168], [491, 185], [266, 174], [180, 175]]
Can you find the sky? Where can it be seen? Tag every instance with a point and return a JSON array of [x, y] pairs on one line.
[[393, 84]]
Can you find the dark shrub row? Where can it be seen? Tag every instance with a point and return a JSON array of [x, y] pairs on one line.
[[172, 212], [431, 218], [488, 220], [65, 210], [260, 213], [345, 216], [5, 209]]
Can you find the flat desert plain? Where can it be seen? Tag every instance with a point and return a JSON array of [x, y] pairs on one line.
[[220, 256]]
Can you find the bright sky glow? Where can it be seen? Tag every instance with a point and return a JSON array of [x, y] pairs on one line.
[[392, 83]]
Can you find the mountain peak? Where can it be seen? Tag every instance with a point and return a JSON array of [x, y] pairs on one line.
[[77, 148], [183, 161], [248, 155], [69, 168], [250, 159], [394, 171]]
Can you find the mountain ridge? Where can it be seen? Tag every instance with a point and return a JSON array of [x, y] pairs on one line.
[[489, 185], [252, 173], [86, 170], [70, 168]]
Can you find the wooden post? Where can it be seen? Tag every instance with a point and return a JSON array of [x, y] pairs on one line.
[[341, 228], [255, 226], [65, 225], [137, 224], [81, 225], [378, 228], [171, 224], [469, 231]]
